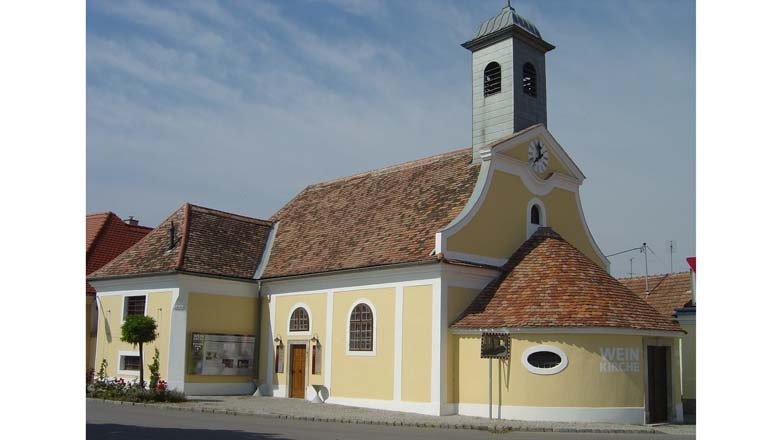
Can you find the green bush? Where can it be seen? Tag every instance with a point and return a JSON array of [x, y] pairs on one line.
[[119, 389], [101, 387], [154, 369]]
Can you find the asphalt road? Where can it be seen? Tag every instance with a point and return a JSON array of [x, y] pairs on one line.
[[107, 421]]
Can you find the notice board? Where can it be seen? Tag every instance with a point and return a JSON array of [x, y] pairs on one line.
[[221, 355]]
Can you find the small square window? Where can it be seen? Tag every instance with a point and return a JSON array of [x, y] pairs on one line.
[[130, 363], [135, 305]]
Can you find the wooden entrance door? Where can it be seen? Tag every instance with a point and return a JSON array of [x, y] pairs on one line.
[[298, 371], [658, 383]]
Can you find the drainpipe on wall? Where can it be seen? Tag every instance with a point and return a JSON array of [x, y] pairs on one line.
[[258, 331]]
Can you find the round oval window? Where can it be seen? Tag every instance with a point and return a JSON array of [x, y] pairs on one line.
[[544, 359]]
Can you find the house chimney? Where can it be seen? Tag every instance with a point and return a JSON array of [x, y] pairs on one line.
[[171, 236], [131, 221]]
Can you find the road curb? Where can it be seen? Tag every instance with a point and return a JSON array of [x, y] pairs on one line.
[[346, 420]]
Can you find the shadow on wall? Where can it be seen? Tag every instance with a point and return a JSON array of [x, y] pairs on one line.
[[114, 431], [106, 325], [108, 329]]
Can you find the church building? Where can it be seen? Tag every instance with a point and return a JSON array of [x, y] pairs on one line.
[[462, 283]]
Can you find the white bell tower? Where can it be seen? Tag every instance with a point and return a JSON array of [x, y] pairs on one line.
[[508, 77]]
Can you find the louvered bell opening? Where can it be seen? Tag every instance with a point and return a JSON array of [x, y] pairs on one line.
[[529, 79], [492, 79]]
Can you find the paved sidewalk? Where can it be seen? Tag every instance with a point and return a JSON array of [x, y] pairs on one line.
[[302, 410]]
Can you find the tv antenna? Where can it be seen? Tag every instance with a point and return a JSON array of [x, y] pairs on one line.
[[672, 246], [642, 249]]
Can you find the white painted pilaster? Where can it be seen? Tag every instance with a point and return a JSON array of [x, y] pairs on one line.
[[398, 343], [270, 367], [436, 346], [329, 337], [177, 342]]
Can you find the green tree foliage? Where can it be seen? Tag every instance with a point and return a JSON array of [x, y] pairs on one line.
[[154, 369], [139, 329]]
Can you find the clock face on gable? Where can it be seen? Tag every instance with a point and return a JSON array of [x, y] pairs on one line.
[[538, 156]]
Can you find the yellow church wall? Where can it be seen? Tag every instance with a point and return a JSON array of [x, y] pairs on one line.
[[109, 345], [357, 375], [689, 361], [563, 216], [265, 330], [453, 368], [554, 165], [676, 379], [416, 348], [91, 341], [580, 384], [317, 305], [219, 314], [500, 226], [458, 298]]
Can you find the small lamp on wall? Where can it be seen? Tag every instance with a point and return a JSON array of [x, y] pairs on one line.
[[315, 342], [278, 349]]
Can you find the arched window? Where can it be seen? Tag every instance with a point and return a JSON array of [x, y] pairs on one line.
[[299, 320], [535, 219], [529, 79], [492, 78], [361, 328], [536, 216]]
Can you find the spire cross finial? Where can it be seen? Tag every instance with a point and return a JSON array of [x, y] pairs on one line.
[[508, 4]]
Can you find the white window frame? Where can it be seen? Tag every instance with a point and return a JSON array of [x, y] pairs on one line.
[[545, 371], [289, 316], [121, 372], [124, 304], [531, 228], [373, 328]]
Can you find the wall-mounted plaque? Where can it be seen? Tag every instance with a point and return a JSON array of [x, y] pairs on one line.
[[221, 355], [495, 346]]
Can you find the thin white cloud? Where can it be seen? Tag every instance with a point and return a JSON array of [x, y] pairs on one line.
[[365, 8], [239, 105]]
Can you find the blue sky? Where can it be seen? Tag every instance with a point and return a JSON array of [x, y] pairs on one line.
[[238, 105]]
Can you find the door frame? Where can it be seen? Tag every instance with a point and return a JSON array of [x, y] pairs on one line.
[[671, 412], [288, 360]]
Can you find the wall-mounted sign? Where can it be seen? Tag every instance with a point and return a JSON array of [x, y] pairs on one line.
[[619, 360], [495, 346], [221, 355]]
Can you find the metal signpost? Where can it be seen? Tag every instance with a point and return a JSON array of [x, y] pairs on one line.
[[494, 346]]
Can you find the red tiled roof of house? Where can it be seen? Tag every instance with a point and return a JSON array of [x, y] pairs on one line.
[[206, 241], [386, 216], [549, 283], [668, 292], [107, 237]]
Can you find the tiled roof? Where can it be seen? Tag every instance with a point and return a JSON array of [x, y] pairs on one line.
[[206, 241], [549, 283], [381, 217], [107, 237], [668, 292]]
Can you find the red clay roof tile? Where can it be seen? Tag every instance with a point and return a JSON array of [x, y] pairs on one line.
[[668, 292], [549, 283], [381, 217], [107, 237], [206, 241]]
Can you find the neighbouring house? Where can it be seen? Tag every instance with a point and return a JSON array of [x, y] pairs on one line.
[[674, 296], [462, 283], [107, 236], [195, 274]]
